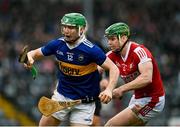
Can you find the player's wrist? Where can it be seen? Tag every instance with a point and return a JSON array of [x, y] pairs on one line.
[[109, 88], [122, 89]]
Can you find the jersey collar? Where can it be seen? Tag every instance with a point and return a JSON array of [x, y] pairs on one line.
[[127, 53]]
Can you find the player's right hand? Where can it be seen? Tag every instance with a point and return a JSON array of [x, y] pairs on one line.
[[105, 96], [117, 93], [30, 61]]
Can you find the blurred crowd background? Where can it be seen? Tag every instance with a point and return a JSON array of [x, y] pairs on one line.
[[154, 23]]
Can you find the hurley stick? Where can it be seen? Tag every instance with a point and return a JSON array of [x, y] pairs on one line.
[[48, 106], [24, 59]]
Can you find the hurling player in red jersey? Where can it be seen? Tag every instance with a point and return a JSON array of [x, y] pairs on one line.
[[140, 73]]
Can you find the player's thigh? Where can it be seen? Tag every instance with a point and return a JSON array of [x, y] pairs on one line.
[[147, 108], [78, 125], [82, 114], [49, 121], [124, 118]]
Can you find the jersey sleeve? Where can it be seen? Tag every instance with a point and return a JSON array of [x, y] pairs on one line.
[[98, 55], [142, 55], [49, 48], [110, 55]]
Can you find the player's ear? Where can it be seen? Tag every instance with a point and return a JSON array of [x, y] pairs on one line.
[[124, 38], [82, 30]]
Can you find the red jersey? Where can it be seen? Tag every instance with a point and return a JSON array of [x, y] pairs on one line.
[[128, 66]]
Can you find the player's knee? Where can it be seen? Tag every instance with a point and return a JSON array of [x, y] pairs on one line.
[[48, 121], [108, 123], [43, 121]]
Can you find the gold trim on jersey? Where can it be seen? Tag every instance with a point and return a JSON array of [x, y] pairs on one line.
[[76, 70]]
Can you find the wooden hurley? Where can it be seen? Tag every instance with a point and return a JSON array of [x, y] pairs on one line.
[[48, 106]]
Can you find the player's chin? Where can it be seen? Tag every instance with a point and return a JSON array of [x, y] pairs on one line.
[[68, 39], [109, 48], [113, 49]]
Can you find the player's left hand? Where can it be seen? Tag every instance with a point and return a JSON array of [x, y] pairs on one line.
[[105, 96]]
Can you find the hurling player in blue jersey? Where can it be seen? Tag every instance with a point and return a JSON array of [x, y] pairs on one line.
[[78, 76]]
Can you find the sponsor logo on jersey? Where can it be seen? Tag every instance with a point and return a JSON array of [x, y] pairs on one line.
[[76, 70], [130, 77], [68, 70]]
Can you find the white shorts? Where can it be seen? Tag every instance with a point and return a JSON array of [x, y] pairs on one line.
[[150, 107], [79, 114]]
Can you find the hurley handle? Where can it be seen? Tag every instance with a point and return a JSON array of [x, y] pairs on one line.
[[24, 59]]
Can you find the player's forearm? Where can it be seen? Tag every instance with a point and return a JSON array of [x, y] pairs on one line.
[[140, 82], [35, 54], [113, 77], [113, 73]]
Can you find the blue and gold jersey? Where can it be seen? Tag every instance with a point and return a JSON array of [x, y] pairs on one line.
[[78, 75]]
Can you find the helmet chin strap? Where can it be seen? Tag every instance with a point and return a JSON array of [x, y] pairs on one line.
[[79, 33], [120, 49]]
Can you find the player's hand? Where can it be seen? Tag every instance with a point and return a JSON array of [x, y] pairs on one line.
[[105, 96], [117, 93], [30, 62]]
